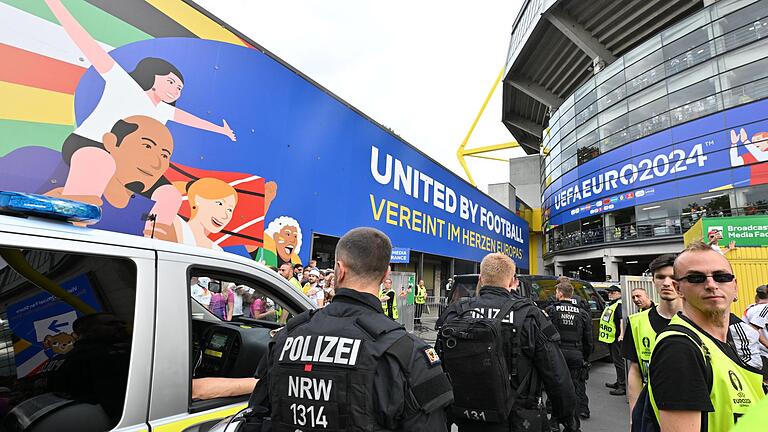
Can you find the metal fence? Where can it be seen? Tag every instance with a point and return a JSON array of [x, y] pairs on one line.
[[423, 325]]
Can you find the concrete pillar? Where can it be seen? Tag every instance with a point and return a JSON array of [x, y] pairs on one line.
[[559, 268], [611, 265]]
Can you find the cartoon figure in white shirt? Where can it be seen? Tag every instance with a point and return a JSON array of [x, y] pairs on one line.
[[757, 152], [151, 89]]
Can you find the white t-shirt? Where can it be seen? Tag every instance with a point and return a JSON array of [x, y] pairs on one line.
[[200, 294], [122, 97], [237, 307], [757, 315], [317, 296], [717, 249], [747, 343]]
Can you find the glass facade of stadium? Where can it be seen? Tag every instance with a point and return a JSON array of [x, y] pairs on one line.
[[674, 130]]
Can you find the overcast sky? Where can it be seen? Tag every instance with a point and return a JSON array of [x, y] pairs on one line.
[[421, 68]]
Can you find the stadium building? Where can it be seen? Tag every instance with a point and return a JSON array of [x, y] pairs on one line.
[[640, 117]]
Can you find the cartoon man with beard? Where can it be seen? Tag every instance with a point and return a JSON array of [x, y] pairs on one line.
[[282, 243]]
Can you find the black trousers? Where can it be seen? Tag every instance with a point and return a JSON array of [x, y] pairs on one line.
[[618, 363], [418, 312], [575, 360]]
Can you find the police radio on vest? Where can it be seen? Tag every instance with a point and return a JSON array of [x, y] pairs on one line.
[[322, 349]]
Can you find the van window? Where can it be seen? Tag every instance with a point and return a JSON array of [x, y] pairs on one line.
[[232, 320], [65, 335], [544, 291]]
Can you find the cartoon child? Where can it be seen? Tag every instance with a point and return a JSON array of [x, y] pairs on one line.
[[757, 152], [212, 203], [282, 242], [151, 89]]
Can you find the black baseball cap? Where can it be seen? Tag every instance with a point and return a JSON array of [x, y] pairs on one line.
[[613, 288]]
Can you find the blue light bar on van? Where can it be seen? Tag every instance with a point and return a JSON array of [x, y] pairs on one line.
[[48, 207]]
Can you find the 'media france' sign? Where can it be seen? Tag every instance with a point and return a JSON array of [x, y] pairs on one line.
[[400, 255]]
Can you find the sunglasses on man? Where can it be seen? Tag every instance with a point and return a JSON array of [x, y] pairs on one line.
[[697, 278]]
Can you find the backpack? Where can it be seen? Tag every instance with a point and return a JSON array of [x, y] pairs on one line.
[[643, 417], [473, 355]]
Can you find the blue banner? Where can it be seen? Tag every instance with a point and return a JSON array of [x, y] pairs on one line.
[[233, 150], [722, 151]]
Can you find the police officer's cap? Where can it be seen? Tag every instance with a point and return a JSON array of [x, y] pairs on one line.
[[613, 288]]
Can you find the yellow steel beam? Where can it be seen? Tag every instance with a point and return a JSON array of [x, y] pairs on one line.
[[489, 158], [460, 152], [490, 148]]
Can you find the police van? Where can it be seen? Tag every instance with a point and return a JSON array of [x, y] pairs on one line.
[[540, 289], [100, 331]]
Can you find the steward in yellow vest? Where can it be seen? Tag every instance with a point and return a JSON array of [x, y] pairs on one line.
[[388, 299], [609, 331], [733, 389]]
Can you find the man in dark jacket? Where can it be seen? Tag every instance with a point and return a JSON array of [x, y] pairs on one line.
[[575, 327], [541, 360]]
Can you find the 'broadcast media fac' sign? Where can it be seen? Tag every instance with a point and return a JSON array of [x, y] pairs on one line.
[[744, 230], [243, 154]]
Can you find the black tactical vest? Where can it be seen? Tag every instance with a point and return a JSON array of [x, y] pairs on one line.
[[323, 370], [566, 317]]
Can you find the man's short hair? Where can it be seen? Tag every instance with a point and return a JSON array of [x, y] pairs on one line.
[[565, 288], [296, 266], [85, 324], [762, 292], [666, 260], [640, 289], [365, 253], [697, 247], [563, 279], [497, 269]]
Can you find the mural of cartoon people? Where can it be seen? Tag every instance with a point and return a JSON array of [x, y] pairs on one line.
[[141, 148], [212, 202], [151, 89], [282, 242], [757, 152]]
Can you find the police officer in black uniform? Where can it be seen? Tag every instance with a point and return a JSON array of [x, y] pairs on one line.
[[349, 367], [575, 327], [541, 357]]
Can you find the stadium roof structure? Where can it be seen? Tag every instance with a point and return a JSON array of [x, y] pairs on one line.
[[556, 45]]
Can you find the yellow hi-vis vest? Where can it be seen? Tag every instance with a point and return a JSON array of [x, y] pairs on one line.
[[608, 330], [735, 389], [644, 337], [421, 295], [755, 419], [384, 307]]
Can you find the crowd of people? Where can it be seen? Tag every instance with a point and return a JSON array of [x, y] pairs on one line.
[[318, 285], [229, 301], [693, 365]]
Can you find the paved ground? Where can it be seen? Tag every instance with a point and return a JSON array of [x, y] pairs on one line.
[[609, 413]]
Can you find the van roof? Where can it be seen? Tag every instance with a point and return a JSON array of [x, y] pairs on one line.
[[63, 230]]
